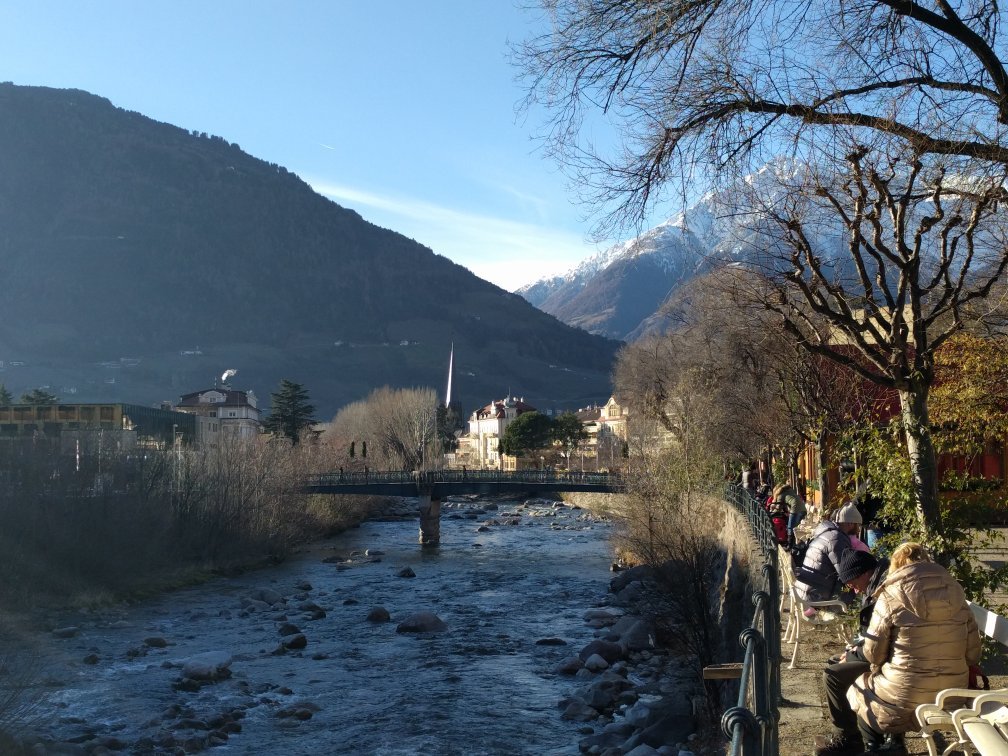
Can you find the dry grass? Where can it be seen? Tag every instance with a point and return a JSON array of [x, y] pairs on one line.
[[139, 522]]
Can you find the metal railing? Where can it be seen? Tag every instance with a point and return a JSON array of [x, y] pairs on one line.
[[752, 723]]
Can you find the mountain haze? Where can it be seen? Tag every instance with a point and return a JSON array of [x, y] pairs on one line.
[[125, 243]]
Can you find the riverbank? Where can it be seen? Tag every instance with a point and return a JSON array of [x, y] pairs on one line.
[[188, 668], [90, 571]]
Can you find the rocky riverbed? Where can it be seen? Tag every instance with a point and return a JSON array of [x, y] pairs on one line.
[[506, 639]]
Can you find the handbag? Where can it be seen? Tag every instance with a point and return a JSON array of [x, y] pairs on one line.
[[977, 679]]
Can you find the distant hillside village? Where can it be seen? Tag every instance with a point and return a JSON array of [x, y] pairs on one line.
[[207, 418]]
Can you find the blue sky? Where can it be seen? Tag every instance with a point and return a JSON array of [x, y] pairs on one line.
[[400, 109]]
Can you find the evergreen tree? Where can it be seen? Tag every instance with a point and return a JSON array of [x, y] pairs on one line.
[[39, 396], [569, 433], [291, 411], [527, 433], [6, 400]]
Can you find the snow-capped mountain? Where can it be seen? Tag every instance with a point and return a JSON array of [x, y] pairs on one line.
[[612, 292], [620, 291], [615, 291]]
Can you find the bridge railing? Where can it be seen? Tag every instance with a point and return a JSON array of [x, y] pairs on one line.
[[752, 724], [609, 480]]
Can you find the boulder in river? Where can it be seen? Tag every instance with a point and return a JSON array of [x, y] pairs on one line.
[[578, 711], [210, 665], [596, 663], [253, 605], [422, 622], [406, 572], [295, 642], [551, 642], [672, 728], [606, 615], [569, 666], [634, 574], [379, 614], [643, 750], [267, 596], [609, 651]]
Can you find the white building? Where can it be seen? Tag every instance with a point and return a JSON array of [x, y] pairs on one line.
[[479, 448], [224, 413]]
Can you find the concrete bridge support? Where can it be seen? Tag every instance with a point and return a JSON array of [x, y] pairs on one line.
[[430, 520]]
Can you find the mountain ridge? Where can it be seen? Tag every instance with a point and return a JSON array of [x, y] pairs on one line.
[[126, 237]]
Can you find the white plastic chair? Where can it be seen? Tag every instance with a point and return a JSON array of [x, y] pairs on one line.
[[939, 716], [786, 581], [832, 614], [983, 728]]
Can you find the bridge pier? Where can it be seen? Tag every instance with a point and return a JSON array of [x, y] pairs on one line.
[[430, 520]]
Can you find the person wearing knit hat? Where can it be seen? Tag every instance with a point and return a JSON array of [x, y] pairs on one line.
[[848, 514], [853, 564], [816, 579], [863, 573]]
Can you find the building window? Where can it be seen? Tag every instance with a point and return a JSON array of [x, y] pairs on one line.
[[232, 413]]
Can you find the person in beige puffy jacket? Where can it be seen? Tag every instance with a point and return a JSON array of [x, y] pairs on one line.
[[922, 638]]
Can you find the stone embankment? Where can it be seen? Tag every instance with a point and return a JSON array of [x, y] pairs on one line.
[[634, 697]]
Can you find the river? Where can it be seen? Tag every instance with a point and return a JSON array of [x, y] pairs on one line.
[[484, 686]]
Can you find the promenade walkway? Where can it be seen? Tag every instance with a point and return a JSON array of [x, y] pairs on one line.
[[805, 714]]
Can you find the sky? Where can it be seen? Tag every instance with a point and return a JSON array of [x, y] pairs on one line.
[[402, 110]]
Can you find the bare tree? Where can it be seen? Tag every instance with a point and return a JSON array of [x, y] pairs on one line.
[[920, 246], [399, 425], [714, 362], [896, 111], [693, 83], [670, 521]]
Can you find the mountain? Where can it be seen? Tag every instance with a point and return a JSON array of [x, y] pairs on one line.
[[139, 261], [613, 292], [619, 293]]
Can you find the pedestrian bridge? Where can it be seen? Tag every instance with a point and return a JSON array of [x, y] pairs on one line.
[[432, 486], [441, 483]]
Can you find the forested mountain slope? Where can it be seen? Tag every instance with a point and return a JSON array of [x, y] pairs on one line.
[[124, 240]]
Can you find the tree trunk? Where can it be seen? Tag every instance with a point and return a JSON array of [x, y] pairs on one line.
[[920, 447], [822, 474]]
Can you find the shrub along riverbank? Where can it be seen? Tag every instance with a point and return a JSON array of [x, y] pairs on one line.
[[112, 523]]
